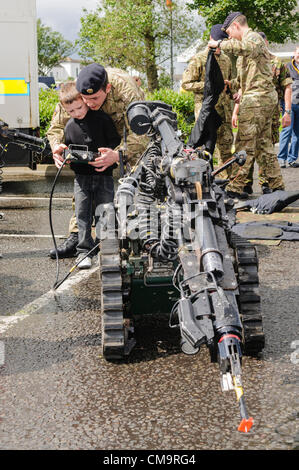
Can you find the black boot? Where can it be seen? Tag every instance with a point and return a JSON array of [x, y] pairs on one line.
[[248, 189], [233, 195], [266, 189], [67, 249]]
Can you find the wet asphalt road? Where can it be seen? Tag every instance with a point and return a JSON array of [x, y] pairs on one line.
[[57, 392]]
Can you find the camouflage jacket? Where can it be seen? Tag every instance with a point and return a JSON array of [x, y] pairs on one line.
[[255, 70], [123, 91], [194, 78], [281, 75]]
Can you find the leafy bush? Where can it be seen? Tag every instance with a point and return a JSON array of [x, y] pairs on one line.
[[183, 105], [47, 103], [164, 80]]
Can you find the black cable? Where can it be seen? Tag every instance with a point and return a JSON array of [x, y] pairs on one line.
[[58, 283], [50, 218]]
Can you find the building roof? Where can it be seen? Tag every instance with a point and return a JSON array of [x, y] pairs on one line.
[[186, 55], [69, 59], [287, 47], [281, 50]]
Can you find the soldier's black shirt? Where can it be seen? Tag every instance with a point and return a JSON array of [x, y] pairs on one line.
[[95, 130]]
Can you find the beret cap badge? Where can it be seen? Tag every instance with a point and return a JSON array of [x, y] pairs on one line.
[[91, 79]]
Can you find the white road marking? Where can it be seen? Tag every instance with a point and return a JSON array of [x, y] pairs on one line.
[[42, 302], [25, 198], [28, 235]]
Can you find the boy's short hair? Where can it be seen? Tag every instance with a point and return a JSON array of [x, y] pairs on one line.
[[68, 93]]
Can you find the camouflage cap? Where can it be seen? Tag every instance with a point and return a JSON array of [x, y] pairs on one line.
[[91, 79], [217, 33], [230, 18]]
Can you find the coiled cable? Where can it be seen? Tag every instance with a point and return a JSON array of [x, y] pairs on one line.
[[167, 248]]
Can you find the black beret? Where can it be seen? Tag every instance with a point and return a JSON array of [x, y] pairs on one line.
[[217, 33], [91, 79], [230, 18]]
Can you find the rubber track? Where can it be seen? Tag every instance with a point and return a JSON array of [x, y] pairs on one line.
[[113, 340], [249, 298]]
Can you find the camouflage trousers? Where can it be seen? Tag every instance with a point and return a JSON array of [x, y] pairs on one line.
[[73, 227], [275, 140], [255, 137], [223, 149]]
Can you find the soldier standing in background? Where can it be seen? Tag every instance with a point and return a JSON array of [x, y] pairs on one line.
[[258, 103], [111, 90], [282, 82], [194, 79]]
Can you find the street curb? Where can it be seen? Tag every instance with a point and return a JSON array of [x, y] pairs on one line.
[[24, 202], [41, 170]]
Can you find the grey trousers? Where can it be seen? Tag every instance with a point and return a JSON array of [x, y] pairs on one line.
[[90, 192]]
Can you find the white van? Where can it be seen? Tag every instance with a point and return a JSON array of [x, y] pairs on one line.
[[19, 105]]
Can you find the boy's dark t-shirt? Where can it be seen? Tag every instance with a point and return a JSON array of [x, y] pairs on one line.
[[95, 130]]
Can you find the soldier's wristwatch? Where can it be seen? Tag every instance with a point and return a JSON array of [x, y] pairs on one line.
[[288, 111]]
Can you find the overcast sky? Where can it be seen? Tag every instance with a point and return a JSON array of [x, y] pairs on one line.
[[64, 15]]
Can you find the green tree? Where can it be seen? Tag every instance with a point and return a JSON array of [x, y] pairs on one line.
[[135, 34], [278, 19], [52, 48], [48, 100]]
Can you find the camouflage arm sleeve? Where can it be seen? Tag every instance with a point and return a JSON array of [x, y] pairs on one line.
[[239, 48], [286, 82], [235, 83], [55, 133], [191, 80]]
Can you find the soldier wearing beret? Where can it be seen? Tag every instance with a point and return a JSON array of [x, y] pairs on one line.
[[258, 103], [283, 85], [194, 79], [111, 90]]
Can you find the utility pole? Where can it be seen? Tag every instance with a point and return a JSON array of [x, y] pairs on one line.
[[169, 5]]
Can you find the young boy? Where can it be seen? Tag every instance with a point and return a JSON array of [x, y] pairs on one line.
[[94, 129]]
